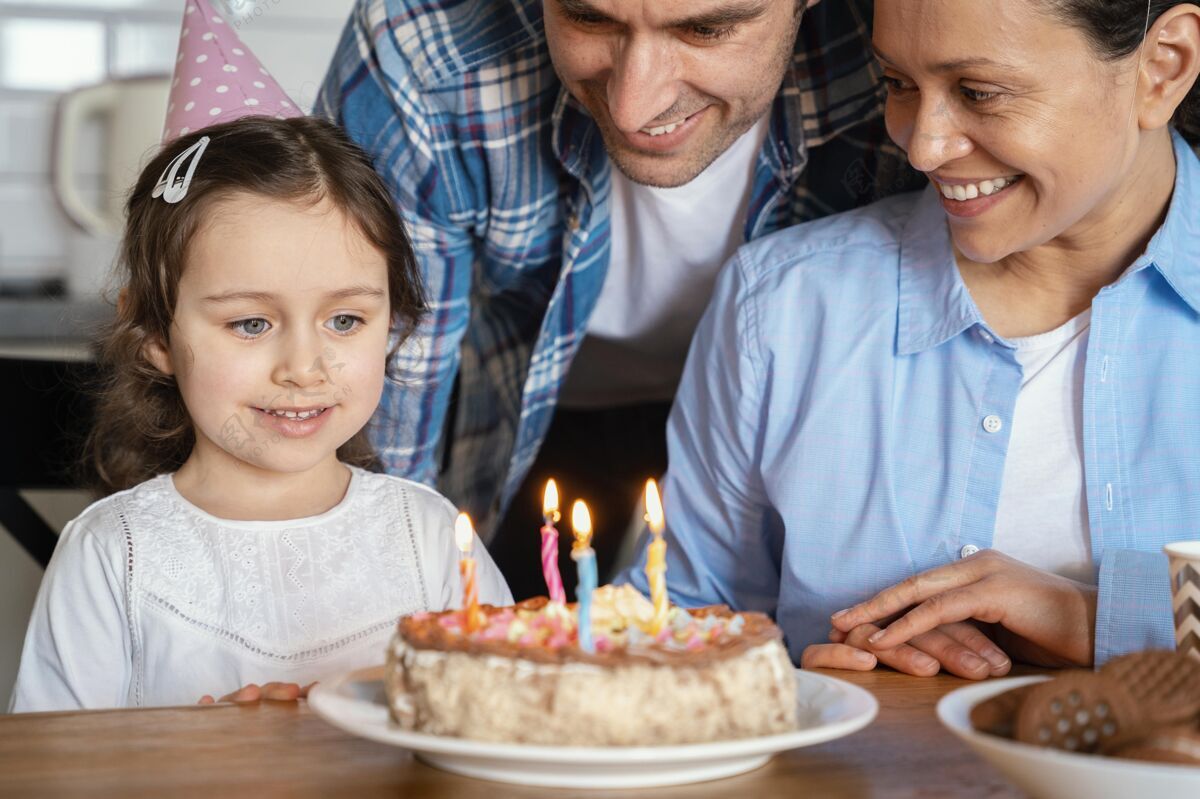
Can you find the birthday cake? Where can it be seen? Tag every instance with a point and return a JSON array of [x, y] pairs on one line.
[[520, 675]]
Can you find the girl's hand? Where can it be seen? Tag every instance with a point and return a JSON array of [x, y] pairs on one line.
[[959, 648], [1041, 618], [274, 691]]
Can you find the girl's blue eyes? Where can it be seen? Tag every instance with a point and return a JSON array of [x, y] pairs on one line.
[[250, 328], [345, 319], [255, 326]]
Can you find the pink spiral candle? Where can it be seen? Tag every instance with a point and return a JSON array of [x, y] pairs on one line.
[[554, 583]]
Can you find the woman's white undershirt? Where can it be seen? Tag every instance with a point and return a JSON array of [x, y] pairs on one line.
[[1042, 517]]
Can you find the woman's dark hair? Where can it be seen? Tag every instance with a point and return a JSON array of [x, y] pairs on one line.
[[142, 428], [1116, 29]]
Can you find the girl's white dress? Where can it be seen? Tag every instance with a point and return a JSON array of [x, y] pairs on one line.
[[149, 600]]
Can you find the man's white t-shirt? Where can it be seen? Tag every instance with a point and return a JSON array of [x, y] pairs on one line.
[[1042, 517], [149, 600], [667, 247]]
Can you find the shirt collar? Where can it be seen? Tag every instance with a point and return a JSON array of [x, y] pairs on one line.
[[574, 134], [934, 304], [1172, 248]]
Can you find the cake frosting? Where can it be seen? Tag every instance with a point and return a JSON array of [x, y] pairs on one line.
[[710, 674]]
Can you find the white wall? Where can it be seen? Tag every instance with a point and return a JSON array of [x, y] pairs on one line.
[[20, 576], [107, 38], [47, 46]]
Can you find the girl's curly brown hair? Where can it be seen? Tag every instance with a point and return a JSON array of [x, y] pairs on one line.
[[141, 427]]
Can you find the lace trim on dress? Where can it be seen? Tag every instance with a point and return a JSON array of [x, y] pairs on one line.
[[285, 591], [249, 646], [406, 514], [135, 639]]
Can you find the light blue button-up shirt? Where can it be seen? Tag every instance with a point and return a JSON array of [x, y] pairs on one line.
[[836, 430]]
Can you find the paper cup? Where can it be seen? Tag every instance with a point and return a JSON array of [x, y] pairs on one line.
[[1185, 594]]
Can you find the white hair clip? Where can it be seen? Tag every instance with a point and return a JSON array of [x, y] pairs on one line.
[[173, 188]]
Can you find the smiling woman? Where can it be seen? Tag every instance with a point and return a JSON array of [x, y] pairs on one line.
[[986, 432], [1019, 124]]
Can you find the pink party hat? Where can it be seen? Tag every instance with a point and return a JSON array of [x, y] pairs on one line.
[[217, 78]]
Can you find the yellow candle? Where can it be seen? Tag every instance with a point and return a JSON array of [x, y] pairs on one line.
[[464, 537], [656, 559]]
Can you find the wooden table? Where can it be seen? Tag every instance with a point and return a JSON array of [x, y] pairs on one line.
[[286, 750]]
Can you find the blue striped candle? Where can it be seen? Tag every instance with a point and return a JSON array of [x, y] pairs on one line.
[[585, 567]]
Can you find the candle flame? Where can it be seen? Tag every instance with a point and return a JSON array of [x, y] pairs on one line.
[[581, 522], [464, 533], [550, 502], [654, 509]]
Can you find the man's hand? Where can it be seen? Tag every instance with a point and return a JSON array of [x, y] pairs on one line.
[[959, 648], [273, 691], [1042, 618]]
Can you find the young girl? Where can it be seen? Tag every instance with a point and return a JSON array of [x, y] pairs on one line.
[[246, 542]]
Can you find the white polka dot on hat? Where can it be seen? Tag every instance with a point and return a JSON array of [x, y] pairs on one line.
[[208, 87]]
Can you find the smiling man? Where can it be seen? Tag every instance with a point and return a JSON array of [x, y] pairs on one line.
[[671, 85], [563, 291]]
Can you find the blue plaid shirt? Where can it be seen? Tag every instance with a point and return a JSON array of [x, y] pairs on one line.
[[828, 440], [503, 181]]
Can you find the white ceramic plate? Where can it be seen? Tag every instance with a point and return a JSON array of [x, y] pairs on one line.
[[1053, 774], [826, 709]]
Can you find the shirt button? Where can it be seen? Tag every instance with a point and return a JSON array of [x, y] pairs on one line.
[[986, 336], [992, 423], [968, 551]]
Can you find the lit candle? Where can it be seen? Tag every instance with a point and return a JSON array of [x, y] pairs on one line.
[[554, 583], [585, 565], [464, 537], [656, 559]]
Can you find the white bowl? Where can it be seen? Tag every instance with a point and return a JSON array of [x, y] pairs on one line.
[[1054, 774]]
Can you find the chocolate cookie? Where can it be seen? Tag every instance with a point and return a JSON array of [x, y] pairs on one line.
[[1165, 684], [998, 714], [1178, 744], [1080, 711]]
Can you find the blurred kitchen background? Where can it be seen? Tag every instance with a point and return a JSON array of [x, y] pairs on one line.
[[82, 96]]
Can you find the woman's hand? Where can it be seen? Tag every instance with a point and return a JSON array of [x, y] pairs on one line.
[[959, 648], [274, 691], [1041, 618]]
